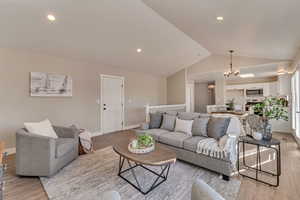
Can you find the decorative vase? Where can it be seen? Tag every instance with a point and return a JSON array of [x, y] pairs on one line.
[[257, 135], [267, 134]]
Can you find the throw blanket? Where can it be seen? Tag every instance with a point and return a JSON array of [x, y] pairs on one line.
[[85, 138], [212, 147]]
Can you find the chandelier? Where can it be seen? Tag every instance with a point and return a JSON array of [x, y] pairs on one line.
[[230, 71]]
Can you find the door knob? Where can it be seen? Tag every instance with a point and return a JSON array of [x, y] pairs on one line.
[[104, 108], [104, 104]]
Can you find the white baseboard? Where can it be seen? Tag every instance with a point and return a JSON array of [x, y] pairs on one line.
[[97, 134], [125, 128], [131, 127], [10, 150]]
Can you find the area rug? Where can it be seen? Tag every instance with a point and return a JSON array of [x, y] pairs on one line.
[[91, 175]]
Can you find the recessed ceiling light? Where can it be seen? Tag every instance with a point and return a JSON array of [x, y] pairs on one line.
[[51, 18], [281, 72], [247, 75], [220, 18], [139, 50]]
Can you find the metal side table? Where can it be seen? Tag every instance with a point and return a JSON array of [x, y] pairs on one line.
[[273, 144]]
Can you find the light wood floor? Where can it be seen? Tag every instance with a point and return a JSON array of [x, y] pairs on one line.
[[24, 188]]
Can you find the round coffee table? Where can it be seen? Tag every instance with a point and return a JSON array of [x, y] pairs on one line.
[[161, 156]]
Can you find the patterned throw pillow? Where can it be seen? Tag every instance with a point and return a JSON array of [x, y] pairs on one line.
[[155, 120], [168, 122], [200, 126]]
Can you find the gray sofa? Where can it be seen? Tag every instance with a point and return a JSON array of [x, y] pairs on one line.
[[43, 156], [185, 146]]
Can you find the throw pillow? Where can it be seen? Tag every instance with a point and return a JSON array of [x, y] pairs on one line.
[[184, 126], [168, 122], [200, 126], [43, 128], [155, 120], [217, 127], [172, 112]]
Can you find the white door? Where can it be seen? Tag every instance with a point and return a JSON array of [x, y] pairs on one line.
[[112, 106]]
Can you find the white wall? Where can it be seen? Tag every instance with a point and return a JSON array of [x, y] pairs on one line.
[[82, 110], [201, 97], [176, 86], [220, 91]]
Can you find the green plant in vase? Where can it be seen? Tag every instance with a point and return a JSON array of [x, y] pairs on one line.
[[271, 108], [145, 140], [231, 104]]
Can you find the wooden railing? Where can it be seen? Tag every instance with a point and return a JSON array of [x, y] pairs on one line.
[[164, 108]]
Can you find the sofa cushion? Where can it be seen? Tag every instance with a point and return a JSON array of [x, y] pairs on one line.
[[205, 115], [155, 133], [200, 126], [188, 115], [171, 112], [184, 126], [63, 146], [191, 143], [173, 138], [217, 127], [168, 122], [155, 120]]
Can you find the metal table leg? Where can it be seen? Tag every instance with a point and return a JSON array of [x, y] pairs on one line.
[[163, 175]]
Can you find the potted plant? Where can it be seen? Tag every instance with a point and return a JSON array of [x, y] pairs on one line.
[[145, 141], [271, 108], [231, 105]]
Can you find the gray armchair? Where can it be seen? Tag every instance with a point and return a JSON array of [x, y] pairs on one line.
[[202, 191], [43, 156]]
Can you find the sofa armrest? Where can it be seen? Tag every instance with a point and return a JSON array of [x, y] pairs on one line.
[[200, 190], [145, 126], [65, 132], [231, 148], [32, 146]]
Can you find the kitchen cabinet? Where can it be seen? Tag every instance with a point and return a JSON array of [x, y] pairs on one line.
[[270, 88]]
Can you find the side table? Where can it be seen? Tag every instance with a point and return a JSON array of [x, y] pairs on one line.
[[273, 144]]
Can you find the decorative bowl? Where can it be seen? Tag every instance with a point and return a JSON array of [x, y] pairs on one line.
[[140, 150]]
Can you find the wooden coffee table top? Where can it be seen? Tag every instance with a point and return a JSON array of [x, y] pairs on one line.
[[160, 156]]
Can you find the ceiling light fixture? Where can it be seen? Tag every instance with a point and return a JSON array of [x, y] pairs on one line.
[[281, 72], [220, 18], [211, 86], [250, 75], [139, 50], [230, 71], [51, 17]]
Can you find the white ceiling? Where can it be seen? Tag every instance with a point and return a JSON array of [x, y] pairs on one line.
[[173, 34], [104, 31], [255, 28]]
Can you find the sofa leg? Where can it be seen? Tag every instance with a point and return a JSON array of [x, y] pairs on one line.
[[226, 178]]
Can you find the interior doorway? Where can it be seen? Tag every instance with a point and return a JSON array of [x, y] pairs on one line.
[[111, 103]]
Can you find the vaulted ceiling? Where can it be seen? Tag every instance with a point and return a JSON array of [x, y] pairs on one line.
[[104, 31], [255, 28], [172, 34]]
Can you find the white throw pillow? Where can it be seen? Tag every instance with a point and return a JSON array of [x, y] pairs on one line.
[[184, 126], [43, 128]]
